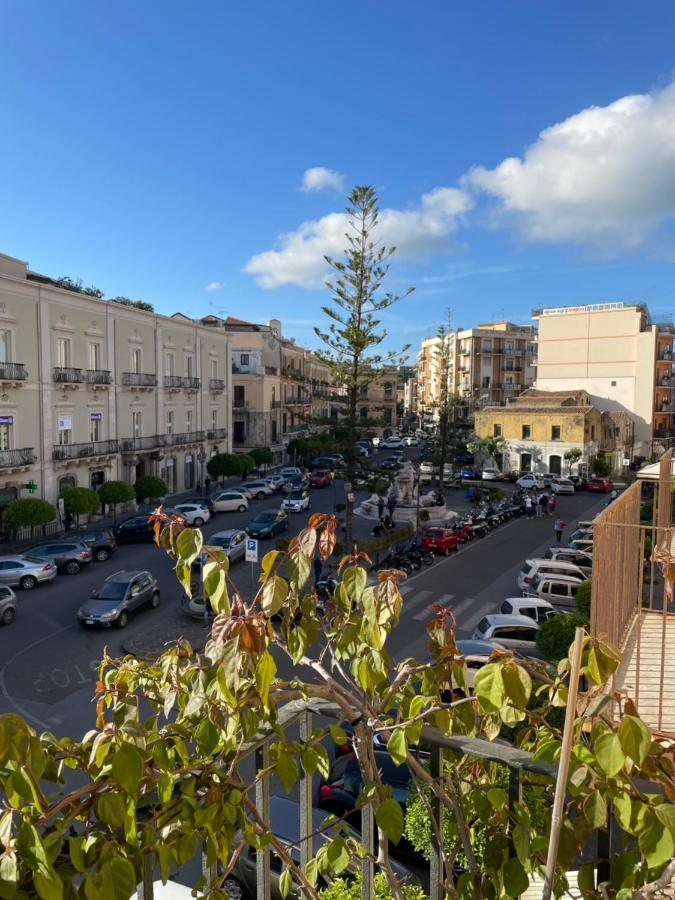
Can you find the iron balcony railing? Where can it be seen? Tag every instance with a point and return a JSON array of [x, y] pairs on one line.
[[216, 384], [80, 451], [665, 383], [139, 379], [181, 381], [132, 444], [21, 457], [240, 404], [67, 375], [216, 434], [11, 371], [97, 376], [185, 437], [297, 401], [275, 404]]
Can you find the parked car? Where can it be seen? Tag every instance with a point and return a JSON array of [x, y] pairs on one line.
[[232, 541], [206, 502], [7, 605], [259, 489], [25, 571], [122, 593], [559, 590], [296, 483], [67, 556], [583, 533], [585, 545], [533, 607], [267, 523], [296, 502], [193, 514], [599, 485], [137, 528], [440, 540], [490, 474], [360, 450], [583, 561], [513, 632], [562, 486], [288, 471], [532, 567], [468, 473], [391, 462], [548, 479], [275, 481], [101, 543], [321, 478], [511, 477], [530, 482], [411, 440], [392, 443], [229, 501]]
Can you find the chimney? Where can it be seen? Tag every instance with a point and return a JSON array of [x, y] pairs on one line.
[[275, 325]]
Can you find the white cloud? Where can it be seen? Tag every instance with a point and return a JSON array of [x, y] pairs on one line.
[[427, 227], [213, 286], [319, 178], [604, 177]]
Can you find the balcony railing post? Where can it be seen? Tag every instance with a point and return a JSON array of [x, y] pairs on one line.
[[306, 792], [436, 873], [146, 890], [515, 796], [262, 803], [368, 844]]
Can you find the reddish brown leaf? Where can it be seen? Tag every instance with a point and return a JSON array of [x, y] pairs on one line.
[[316, 519]]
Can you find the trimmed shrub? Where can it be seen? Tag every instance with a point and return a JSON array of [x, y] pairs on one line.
[[114, 492], [151, 488], [80, 501], [224, 465], [584, 599], [261, 456], [28, 512], [555, 636], [350, 889], [246, 462]]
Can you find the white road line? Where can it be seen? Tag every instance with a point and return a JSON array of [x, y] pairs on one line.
[[426, 613], [415, 600]]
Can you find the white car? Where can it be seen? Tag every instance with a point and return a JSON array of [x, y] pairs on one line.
[[297, 502], [562, 486], [534, 607], [290, 472], [490, 474], [539, 566], [360, 450], [275, 481], [530, 482], [392, 443], [411, 440], [229, 501], [515, 632], [258, 489], [193, 514]]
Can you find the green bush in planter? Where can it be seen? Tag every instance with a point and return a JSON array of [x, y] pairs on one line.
[[350, 889], [555, 636], [149, 487]]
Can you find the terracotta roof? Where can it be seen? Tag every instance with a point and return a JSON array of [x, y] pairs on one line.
[[230, 320]]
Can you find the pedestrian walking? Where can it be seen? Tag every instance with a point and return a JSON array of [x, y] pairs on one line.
[[207, 485], [391, 505], [68, 521], [381, 503], [558, 526], [552, 504], [544, 504], [528, 505]]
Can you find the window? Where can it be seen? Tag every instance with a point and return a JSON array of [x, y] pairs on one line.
[[137, 361], [6, 434], [65, 428], [525, 462], [214, 418], [526, 432], [592, 432], [387, 416], [509, 365], [63, 352], [388, 390], [555, 432], [214, 368], [363, 412], [275, 437], [95, 426], [243, 359], [94, 355], [168, 364], [188, 420], [487, 346], [189, 365], [169, 421], [496, 430], [136, 423], [364, 390], [239, 395], [5, 346], [510, 346]]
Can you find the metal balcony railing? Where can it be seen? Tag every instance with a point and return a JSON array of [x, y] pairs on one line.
[[240, 404], [22, 457], [67, 375], [216, 384], [97, 376], [665, 383], [181, 381], [297, 401], [185, 437], [81, 451], [275, 404], [148, 442], [11, 371], [216, 434], [139, 379]]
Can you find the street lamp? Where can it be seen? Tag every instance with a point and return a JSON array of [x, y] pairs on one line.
[[201, 456]]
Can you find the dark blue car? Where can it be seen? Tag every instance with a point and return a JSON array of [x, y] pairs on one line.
[[468, 473]]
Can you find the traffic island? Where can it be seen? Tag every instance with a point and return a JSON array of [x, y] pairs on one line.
[[152, 642]]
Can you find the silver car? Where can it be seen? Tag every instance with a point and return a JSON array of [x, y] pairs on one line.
[[7, 605], [68, 556], [232, 541], [25, 571]]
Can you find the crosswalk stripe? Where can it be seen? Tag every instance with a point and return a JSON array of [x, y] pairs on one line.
[[415, 600], [425, 613]]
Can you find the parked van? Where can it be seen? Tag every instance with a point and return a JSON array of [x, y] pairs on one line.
[[532, 567], [533, 607], [559, 590], [584, 561]]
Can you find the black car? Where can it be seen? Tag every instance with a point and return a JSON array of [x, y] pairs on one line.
[[133, 530], [204, 502], [296, 483], [101, 543], [121, 593], [267, 523]]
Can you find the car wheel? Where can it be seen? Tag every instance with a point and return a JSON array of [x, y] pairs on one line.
[[241, 509], [233, 889], [72, 567], [101, 555], [260, 495], [154, 600], [446, 552], [122, 620], [28, 582], [8, 616], [198, 521]]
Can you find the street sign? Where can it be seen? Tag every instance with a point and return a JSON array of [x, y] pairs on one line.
[[62, 507], [251, 550]]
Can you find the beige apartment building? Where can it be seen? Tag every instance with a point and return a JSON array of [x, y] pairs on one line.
[[92, 390], [621, 357], [377, 408]]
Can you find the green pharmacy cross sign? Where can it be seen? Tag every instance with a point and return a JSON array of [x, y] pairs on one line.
[[31, 486]]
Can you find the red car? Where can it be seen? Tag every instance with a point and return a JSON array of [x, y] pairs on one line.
[[600, 485], [320, 478], [440, 540]]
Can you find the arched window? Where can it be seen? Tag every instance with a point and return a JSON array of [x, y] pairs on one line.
[[67, 481]]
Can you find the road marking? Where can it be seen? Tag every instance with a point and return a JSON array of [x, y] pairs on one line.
[[416, 599], [426, 613]]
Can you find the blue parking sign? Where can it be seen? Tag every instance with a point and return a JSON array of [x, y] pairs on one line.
[[251, 550]]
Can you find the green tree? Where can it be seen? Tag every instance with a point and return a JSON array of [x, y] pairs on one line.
[[80, 501], [28, 512], [75, 284], [149, 487], [583, 599], [555, 636], [571, 457], [135, 304], [601, 466], [224, 465], [247, 463], [488, 448], [446, 399], [114, 492], [261, 456], [355, 329]]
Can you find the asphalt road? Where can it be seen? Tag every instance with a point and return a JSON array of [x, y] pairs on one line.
[[48, 663]]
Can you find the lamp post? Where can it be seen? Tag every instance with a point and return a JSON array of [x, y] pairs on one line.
[[201, 456]]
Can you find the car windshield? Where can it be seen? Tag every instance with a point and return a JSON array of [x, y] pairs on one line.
[[483, 626], [435, 533], [220, 541], [296, 495], [113, 590], [266, 517]]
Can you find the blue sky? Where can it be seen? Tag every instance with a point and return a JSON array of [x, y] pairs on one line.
[[524, 152]]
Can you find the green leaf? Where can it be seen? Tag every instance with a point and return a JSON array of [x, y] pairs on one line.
[[515, 877], [595, 810], [488, 685], [517, 684], [354, 579], [586, 879], [609, 753], [110, 809], [9, 876], [14, 738], [635, 738], [285, 881], [338, 734], [665, 813], [656, 842], [273, 595], [189, 545], [338, 854], [127, 768], [214, 578], [268, 561], [78, 856], [116, 880], [299, 567], [312, 872], [265, 671], [497, 798], [48, 884], [521, 841], [630, 814], [389, 817], [286, 770], [397, 746]]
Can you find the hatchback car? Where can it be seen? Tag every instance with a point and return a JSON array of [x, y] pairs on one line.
[[321, 478], [392, 443], [533, 567], [411, 440], [530, 482], [468, 473], [67, 556], [138, 528], [267, 523], [562, 486], [513, 632], [25, 571], [258, 489], [101, 543], [585, 545], [533, 607], [440, 540], [583, 561], [229, 501], [289, 471], [599, 485], [193, 514], [232, 541], [7, 605], [559, 590], [296, 502], [206, 502], [122, 593], [275, 481], [490, 474]]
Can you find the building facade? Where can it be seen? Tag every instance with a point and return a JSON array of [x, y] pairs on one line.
[[621, 357], [92, 390]]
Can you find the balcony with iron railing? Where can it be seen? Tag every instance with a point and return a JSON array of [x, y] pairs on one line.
[[97, 376], [181, 381], [67, 375], [296, 429], [216, 434], [664, 355], [296, 401], [11, 459], [240, 404], [134, 444], [11, 371], [216, 384], [139, 379], [184, 437], [665, 383], [82, 451]]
